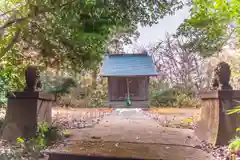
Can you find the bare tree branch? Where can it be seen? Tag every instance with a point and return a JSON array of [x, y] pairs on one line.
[[179, 65]]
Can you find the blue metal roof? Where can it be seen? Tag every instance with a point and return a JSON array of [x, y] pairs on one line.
[[128, 65]]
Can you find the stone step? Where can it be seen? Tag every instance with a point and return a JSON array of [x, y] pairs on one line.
[[70, 156]]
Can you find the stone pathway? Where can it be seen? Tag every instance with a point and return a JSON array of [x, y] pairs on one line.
[[131, 133]]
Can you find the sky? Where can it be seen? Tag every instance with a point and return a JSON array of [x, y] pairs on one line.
[[169, 24]]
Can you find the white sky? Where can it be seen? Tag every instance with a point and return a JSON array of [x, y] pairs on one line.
[[158, 31]]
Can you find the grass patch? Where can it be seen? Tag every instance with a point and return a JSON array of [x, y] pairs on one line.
[[173, 110], [67, 133], [234, 146], [187, 122]]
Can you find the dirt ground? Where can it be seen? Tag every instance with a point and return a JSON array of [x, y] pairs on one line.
[[132, 133]]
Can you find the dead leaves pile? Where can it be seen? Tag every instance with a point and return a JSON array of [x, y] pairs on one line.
[[77, 119]]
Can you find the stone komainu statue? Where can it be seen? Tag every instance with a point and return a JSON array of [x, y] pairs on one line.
[[32, 76], [221, 77]]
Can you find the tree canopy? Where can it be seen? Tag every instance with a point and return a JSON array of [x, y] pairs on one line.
[[73, 33], [211, 24]]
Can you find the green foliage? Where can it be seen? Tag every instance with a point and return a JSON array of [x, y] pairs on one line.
[[74, 33], [20, 140], [187, 121], [30, 148], [162, 98], [184, 100], [171, 97], [60, 87], [11, 77], [234, 144], [159, 94], [208, 29], [67, 34], [46, 136], [98, 97], [237, 129], [64, 87], [234, 110], [89, 92]]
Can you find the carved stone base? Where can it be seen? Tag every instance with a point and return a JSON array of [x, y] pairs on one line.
[[215, 125], [24, 111]]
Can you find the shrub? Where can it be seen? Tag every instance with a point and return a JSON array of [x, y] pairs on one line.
[[31, 148], [184, 100], [61, 87], [98, 97], [172, 97], [234, 145], [57, 85], [163, 98], [46, 136]]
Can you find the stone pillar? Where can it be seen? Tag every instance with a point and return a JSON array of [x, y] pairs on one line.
[[24, 110], [215, 125]]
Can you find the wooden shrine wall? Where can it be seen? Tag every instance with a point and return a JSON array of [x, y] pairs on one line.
[[138, 88]]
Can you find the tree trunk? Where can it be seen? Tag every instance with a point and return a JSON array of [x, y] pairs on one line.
[[94, 78]]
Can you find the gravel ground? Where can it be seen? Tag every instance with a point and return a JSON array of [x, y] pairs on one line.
[[76, 119], [175, 121]]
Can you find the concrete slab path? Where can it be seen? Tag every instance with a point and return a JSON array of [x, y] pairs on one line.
[[129, 132]]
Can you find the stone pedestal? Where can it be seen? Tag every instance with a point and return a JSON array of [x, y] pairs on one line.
[[215, 125], [24, 111]]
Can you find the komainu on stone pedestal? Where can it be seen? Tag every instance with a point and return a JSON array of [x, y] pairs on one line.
[[26, 108], [32, 76], [215, 125], [221, 77]]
